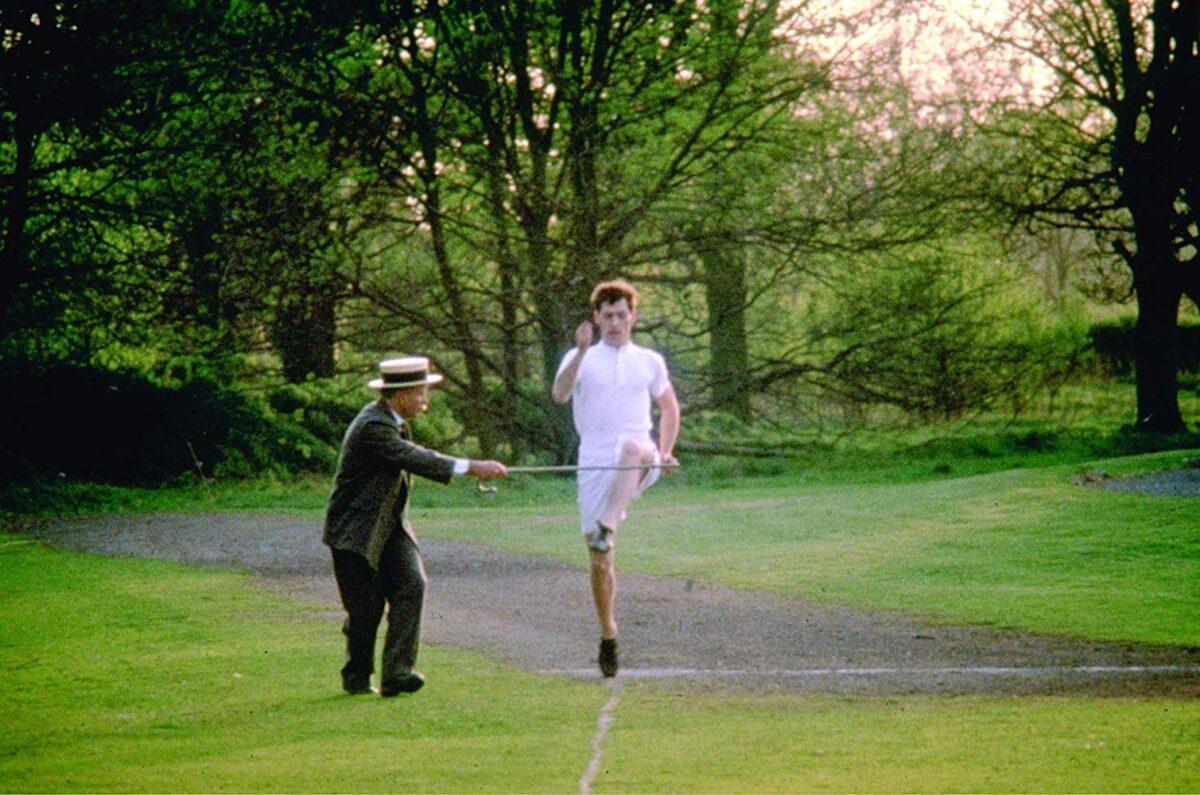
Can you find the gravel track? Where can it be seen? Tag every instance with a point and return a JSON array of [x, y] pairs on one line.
[[536, 613], [1171, 483]]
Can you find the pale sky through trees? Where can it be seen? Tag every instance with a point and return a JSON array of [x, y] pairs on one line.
[[939, 48]]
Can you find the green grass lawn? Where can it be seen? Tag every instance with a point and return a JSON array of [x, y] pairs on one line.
[[128, 675], [125, 675], [666, 742]]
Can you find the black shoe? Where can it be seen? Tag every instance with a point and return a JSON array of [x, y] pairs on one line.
[[608, 657], [357, 687], [408, 684]]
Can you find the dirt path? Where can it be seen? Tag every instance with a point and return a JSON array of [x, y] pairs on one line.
[[1170, 483], [536, 613]]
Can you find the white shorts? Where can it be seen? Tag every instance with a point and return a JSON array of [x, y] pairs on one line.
[[593, 484]]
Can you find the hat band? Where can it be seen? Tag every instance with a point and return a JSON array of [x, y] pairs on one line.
[[405, 379]]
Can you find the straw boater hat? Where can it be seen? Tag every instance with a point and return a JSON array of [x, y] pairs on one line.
[[405, 371]]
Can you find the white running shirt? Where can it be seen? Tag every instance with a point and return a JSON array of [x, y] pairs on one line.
[[611, 397]]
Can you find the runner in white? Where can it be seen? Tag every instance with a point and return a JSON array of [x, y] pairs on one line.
[[611, 385]]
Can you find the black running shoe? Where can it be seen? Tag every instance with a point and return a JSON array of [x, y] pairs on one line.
[[608, 657]]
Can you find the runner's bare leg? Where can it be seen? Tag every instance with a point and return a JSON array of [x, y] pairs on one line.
[[625, 482], [604, 590]]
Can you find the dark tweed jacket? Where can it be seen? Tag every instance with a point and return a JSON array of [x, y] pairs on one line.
[[373, 483]]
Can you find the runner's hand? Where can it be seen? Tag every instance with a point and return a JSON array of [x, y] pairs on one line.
[[583, 335], [670, 464]]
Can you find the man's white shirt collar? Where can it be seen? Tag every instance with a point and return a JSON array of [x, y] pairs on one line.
[[616, 348]]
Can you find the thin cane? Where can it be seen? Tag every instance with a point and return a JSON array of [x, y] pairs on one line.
[[479, 485]]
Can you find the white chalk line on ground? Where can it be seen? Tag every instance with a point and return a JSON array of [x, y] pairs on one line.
[[603, 722], [1036, 670]]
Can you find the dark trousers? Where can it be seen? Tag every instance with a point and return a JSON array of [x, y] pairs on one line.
[[400, 584]]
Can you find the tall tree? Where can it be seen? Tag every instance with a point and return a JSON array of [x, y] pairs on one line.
[[84, 89], [530, 143], [1109, 146]]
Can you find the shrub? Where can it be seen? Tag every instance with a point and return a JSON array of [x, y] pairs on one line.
[[321, 406], [939, 339], [117, 426]]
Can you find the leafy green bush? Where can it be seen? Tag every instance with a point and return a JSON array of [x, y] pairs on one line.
[[520, 422], [117, 426], [324, 408], [940, 338], [321, 406], [718, 429], [437, 430]]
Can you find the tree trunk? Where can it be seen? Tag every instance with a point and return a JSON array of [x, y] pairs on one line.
[[458, 317], [13, 266], [725, 294], [1154, 363], [510, 301], [561, 305], [476, 418], [1157, 280], [203, 303], [554, 320], [304, 338]]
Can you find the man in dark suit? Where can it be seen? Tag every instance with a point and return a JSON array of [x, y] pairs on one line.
[[375, 556]]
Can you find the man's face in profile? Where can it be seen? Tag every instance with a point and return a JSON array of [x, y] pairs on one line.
[[412, 401]]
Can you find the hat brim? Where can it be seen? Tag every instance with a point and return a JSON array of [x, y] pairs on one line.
[[430, 379]]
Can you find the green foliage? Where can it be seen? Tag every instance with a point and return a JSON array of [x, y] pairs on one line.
[[437, 430], [707, 431], [119, 426], [519, 420], [941, 337], [206, 180], [85, 94], [322, 407]]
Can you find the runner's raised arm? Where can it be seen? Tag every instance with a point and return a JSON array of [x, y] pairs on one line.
[[565, 382]]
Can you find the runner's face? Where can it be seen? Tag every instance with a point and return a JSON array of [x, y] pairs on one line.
[[615, 321]]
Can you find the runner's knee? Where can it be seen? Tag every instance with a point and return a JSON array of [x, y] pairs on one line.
[[637, 452]]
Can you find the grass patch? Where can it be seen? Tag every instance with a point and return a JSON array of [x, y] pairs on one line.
[[667, 742], [129, 675]]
